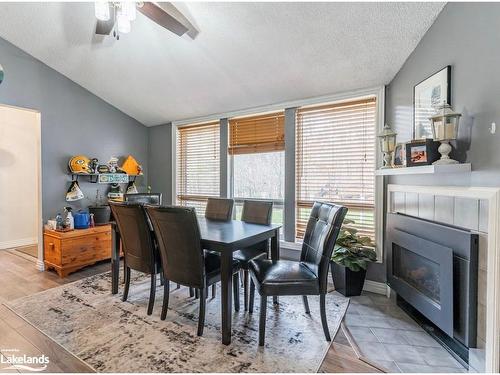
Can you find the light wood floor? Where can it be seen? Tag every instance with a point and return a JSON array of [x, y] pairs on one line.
[[19, 278]]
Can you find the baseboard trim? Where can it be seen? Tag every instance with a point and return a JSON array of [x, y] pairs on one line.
[[376, 287], [18, 243]]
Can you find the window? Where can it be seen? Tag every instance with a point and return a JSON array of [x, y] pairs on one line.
[[198, 165], [335, 161], [257, 146]]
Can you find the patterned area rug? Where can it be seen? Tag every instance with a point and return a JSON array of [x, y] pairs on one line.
[[115, 336]]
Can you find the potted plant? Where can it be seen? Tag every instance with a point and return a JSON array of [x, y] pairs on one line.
[[350, 259]]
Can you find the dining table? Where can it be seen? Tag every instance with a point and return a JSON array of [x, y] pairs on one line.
[[224, 237]]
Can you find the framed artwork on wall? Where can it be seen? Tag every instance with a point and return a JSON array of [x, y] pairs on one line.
[[427, 96]]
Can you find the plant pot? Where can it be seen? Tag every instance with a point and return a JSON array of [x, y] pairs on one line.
[[347, 282]]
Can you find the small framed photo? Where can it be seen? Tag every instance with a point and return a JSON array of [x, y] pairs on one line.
[[400, 155], [427, 96], [421, 152]]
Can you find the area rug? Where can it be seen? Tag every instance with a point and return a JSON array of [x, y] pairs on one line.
[[115, 336]]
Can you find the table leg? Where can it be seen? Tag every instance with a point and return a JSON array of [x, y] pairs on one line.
[[275, 253], [115, 260], [226, 289]]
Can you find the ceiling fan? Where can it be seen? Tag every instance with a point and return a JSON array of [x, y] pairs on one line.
[[116, 17]]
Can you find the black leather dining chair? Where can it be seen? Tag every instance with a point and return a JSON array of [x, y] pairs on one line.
[[309, 276], [139, 249], [255, 212], [217, 209], [183, 259]]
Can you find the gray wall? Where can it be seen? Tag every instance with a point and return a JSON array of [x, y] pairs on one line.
[[74, 121], [465, 36], [160, 161]]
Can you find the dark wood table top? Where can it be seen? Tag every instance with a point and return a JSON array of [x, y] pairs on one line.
[[232, 235]]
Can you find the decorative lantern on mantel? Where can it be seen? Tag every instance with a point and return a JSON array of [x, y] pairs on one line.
[[445, 129], [387, 144]]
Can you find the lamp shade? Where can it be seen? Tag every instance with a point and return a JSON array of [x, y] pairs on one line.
[[445, 123], [387, 139]]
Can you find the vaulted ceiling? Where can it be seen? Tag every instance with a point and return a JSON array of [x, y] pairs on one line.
[[246, 55]]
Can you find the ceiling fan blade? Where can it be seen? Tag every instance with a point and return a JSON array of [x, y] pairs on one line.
[[105, 27], [162, 17]]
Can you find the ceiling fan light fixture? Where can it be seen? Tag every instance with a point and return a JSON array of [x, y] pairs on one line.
[[123, 23], [128, 9], [102, 10]]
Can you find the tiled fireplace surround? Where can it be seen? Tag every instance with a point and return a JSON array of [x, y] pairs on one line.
[[466, 208]]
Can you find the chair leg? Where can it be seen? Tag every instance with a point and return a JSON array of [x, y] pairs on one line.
[[324, 322], [166, 292], [331, 270], [196, 293], [191, 292], [262, 321], [252, 297], [214, 290], [306, 304], [245, 289], [201, 317], [178, 286], [236, 291], [124, 270], [152, 294], [242, 278], [127, 284], [162, 278]]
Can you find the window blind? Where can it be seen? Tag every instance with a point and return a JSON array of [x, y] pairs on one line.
[[198, 165], [263, 133], [335, 161]]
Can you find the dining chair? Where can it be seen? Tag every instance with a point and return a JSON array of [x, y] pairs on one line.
[[309, 275], [255, 212], [217, 209], [183, 258], [139, 249]]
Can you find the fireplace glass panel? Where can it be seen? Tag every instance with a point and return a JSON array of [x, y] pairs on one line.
[[419, 272]]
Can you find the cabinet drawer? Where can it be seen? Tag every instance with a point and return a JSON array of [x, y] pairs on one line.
[[86, 249]]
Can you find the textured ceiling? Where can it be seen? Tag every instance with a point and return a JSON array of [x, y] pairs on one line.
[[246, 55]]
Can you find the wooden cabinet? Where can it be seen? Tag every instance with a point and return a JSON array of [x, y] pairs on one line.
[[67, 252]]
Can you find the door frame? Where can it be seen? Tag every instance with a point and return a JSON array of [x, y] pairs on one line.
[[40, 265]]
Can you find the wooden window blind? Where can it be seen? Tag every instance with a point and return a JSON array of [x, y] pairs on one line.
[[335, 161], [263, 133], [198, 165]]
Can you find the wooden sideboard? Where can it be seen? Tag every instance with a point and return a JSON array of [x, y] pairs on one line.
[[66, 252]]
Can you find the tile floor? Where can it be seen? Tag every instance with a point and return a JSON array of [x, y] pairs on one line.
[[390, 338]]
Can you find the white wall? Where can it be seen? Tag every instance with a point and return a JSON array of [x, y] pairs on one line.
[[19, 169]]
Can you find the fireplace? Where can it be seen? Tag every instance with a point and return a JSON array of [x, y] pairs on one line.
[[433, 270]]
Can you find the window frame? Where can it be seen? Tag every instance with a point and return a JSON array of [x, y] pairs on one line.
[[227, 172]]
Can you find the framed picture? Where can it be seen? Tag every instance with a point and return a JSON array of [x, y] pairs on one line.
[[427, 95], [421, 152], [400, 155]]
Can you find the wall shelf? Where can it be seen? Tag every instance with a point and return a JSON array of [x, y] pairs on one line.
[[425, 169], [105, 178]]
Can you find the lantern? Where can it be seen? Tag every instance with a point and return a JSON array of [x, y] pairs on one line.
[[445, 129], [387, 144]]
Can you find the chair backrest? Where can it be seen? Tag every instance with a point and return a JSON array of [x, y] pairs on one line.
[[144, 198], [257, 212], [321, 234], [219, 209], [136, 236], [179, 244]]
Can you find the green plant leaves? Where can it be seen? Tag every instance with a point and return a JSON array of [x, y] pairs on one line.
[[352, 250]]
